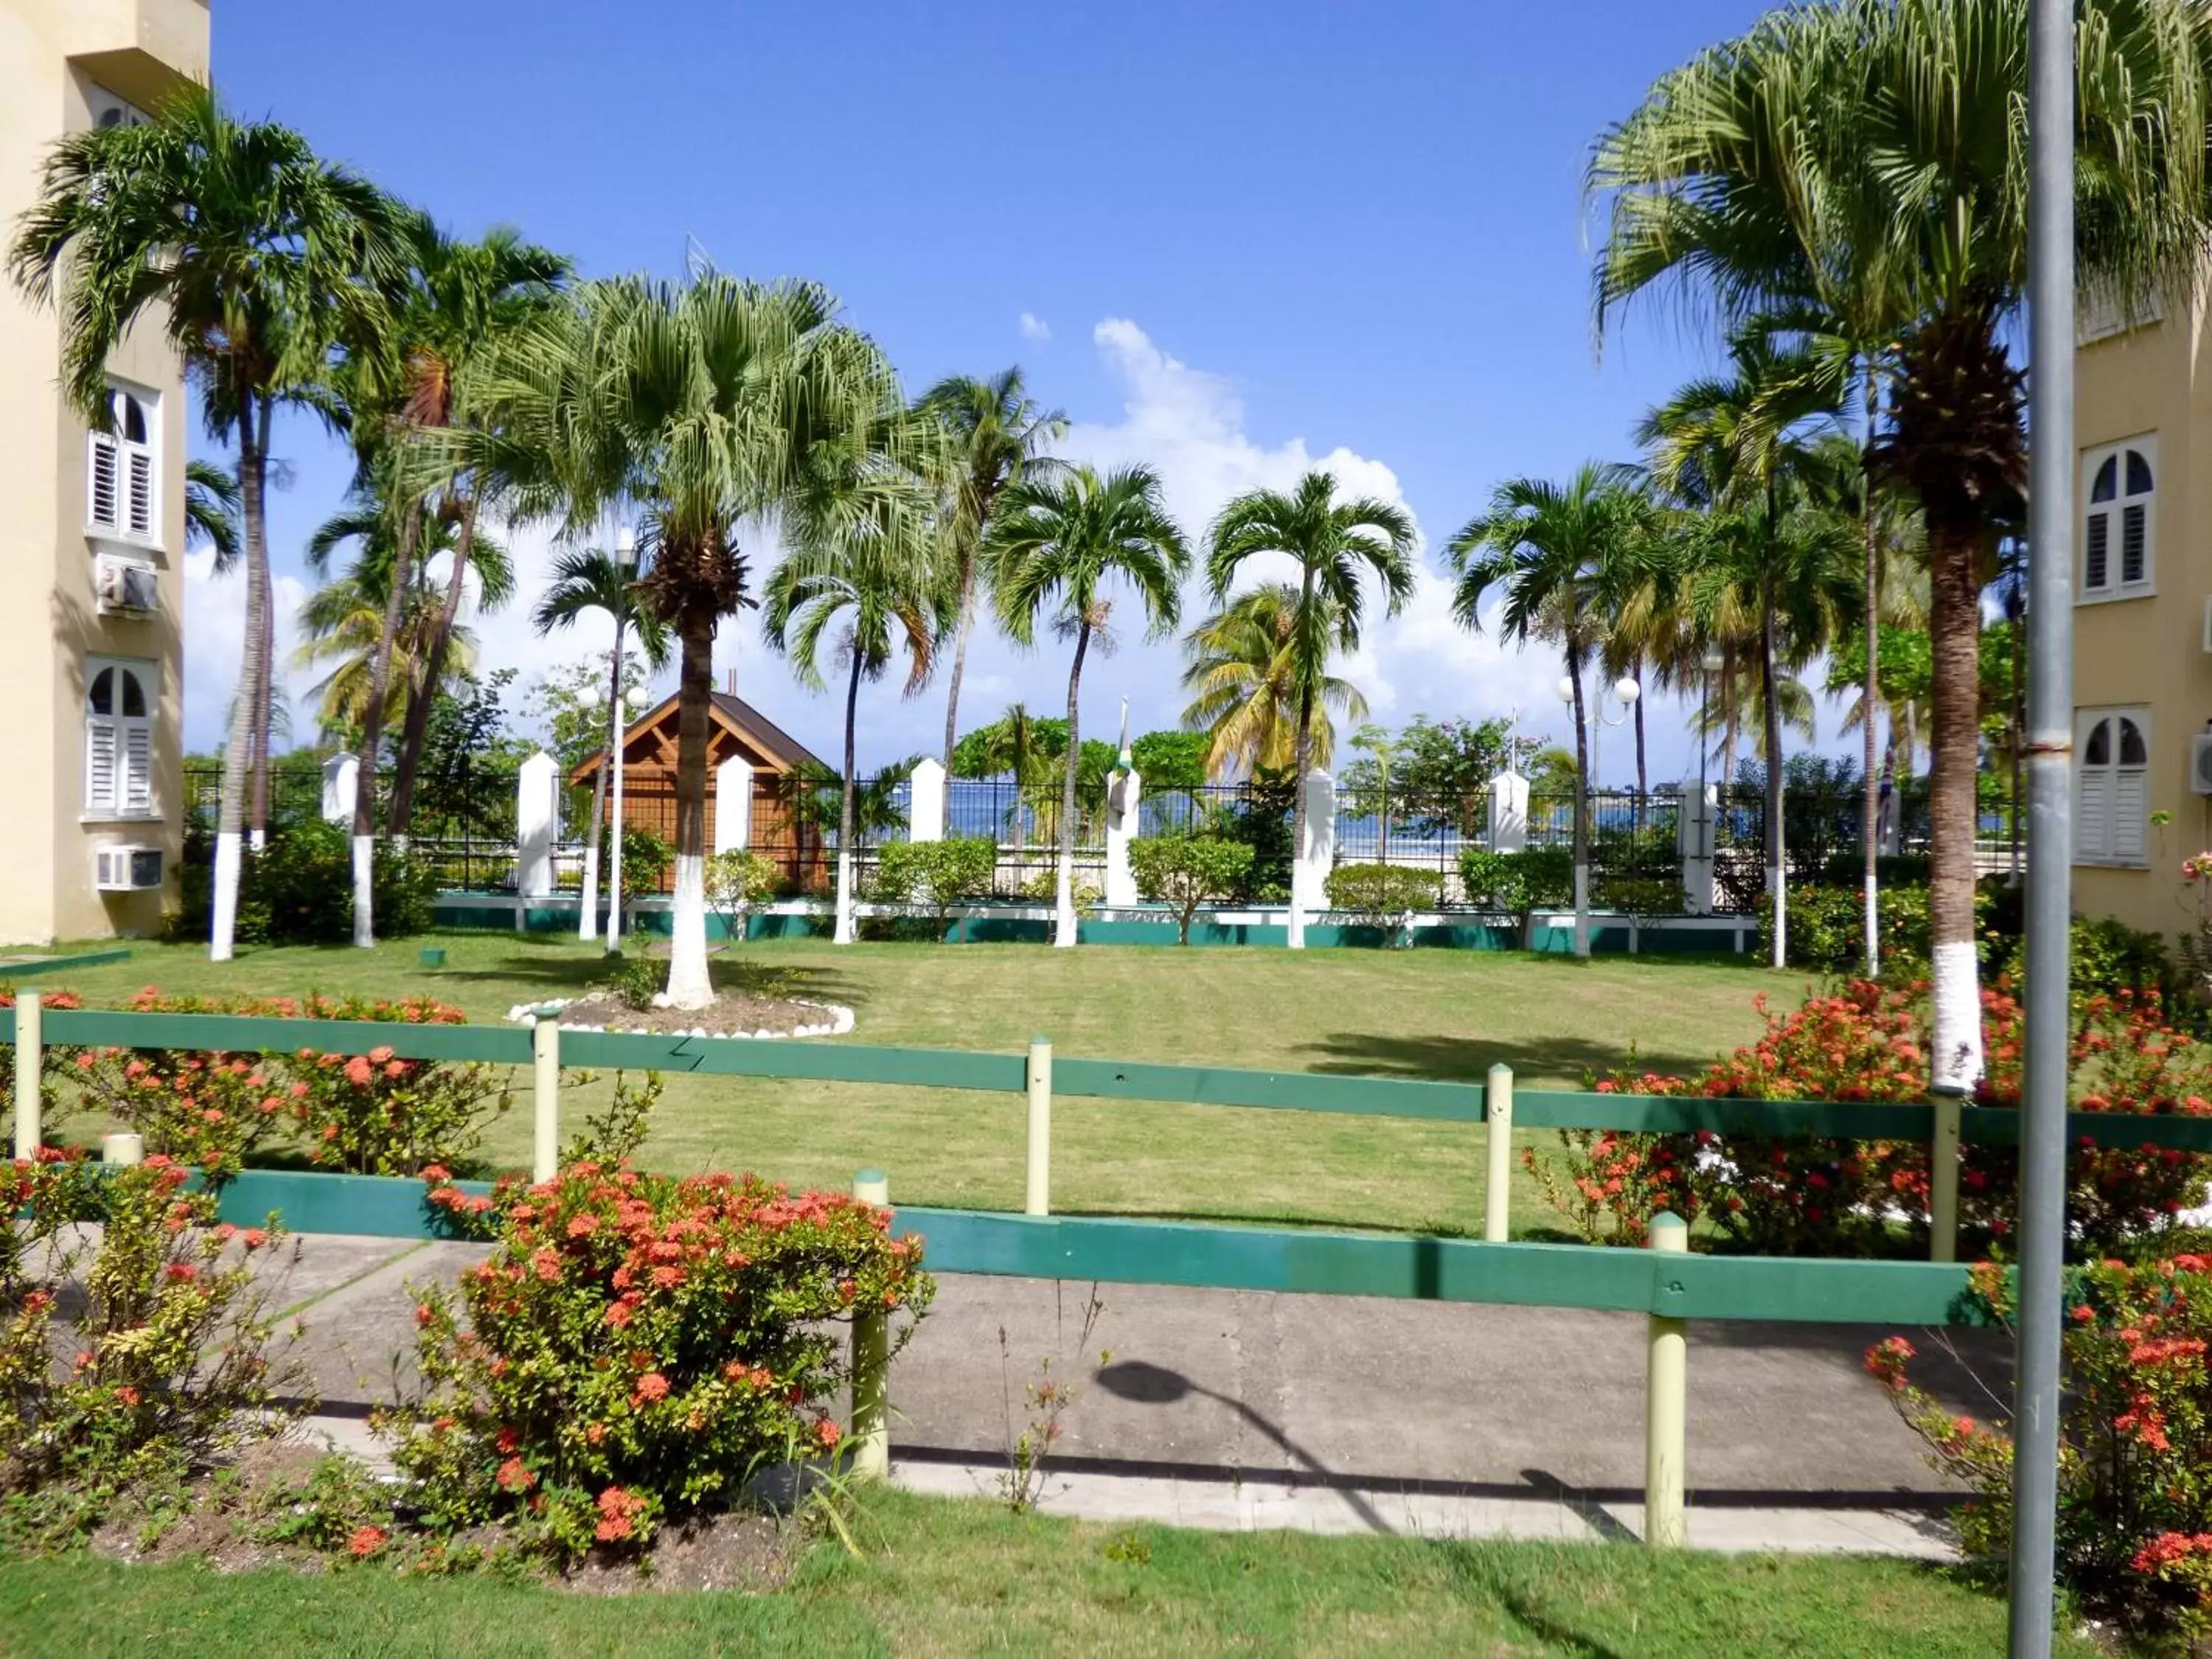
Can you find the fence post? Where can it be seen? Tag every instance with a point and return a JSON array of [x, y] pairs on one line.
[[1124, 790], [536, 811], [1498, 1127], [1943, 1177], [872, 1358], [30, 1066], [925, 800], [118, 1150], [341, 778], [545, 1092], [1508, 812], [1665, 1389], [1037, 1199]]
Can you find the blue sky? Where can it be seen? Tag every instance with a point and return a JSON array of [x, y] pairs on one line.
[[1245, 238]]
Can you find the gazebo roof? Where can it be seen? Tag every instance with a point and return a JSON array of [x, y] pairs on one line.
[[735, 726]]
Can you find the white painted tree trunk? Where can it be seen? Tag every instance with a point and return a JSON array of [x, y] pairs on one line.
[[259, 838], [228, 857], [689, 986], [587, 924], [1582, 910], [847, 924], [1776, 875], [364, 885], [1957, 1061], [1064, 924]]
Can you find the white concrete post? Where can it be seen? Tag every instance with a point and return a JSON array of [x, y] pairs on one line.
[[536, 811], [733, 805], [546, 1094], [1665, 1525], [30, 1073], [1508, 812], [1037, 1198], [341, 776], [1498, 1130], [1693, 836], [925, 816], [1312, 862], [1124, 790], [872, 1363]]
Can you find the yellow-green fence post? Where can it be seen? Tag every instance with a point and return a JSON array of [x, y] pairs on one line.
[[1037, 1193], [1498, 1179], [1943, 1177], [871, 1362], [1666, 1524], [546, 1094], [30, 1066]]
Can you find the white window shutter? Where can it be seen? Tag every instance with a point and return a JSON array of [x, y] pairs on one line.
[[142, 491], [104, 509], [137, 793], [2130, 815], [2092, 812], [99, 794]]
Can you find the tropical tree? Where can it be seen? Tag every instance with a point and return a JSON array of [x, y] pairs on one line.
[[259, 261], [211, 512], [1555, 552], [998, 436], [1246, 689], [1337, 546], [343, 623], [706, 407], [1904, 210], [1054, 546]]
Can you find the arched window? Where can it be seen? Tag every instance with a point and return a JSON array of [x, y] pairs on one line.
[[2111, 785], [2120, 491], [120, 468], [118, 738]]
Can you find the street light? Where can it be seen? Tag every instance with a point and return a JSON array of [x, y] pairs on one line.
[[626, 563], [1624, 690], [1712, 665]]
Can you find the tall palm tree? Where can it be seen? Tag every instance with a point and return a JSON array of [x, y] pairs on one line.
[[1242, 675], [1908, 194], [211, 512], [591, 580], [1053, 547], [706, 407], [344, 624], [258, 260], [998, 435], [1555, 550], [863, 569], [1337, 546]]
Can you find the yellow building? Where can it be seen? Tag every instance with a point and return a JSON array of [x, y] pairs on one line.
[[91, 524]]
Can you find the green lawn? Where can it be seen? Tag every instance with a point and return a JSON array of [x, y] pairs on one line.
[[949, 1578], [1420, 1013]]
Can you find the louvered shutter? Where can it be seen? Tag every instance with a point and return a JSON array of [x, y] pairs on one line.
[[137, 793], [2134, 544], [99, 765], [107, 486], [2131, 814], [140, 468], [2092, 812], [2097, 562]]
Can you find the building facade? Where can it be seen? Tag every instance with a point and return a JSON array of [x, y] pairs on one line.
[[92, 522]]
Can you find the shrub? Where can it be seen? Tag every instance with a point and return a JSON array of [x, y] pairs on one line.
[[935, 875], [1520, 883], [298, 890], [635, 1345], [1043, 888], [645, 857], [2134, 1468], [736, 881], [1185, 871], [1384, 896]]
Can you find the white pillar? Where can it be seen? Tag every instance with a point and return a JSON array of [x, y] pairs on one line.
[[1508, 812], [1693, 836], [925, 817], [536, 802], [733, 805], [1312, 862], [1124, 789], [340, 776]]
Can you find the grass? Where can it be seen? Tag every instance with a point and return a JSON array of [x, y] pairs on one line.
[[945, 1578], [1420, 1014]]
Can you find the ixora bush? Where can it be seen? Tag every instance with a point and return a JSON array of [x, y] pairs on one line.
[[635, 1346], [2135, 1461], [163, 1366], [1810, 1195], [1386, 897], [1186, 872], [371, 1112], [934, 876]]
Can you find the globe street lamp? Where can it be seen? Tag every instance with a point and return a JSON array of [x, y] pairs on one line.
[[1624, 690]]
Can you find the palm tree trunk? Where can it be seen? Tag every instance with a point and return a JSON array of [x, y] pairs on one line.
[[959, 665], [1870, 808], [1582, 807], [372, 732], [1063, 895], [1301, 757], [1729, 722], [689, 983], [252, 426], [847, 924], [402, 813], [264, 673], [588, 921], [1771, 710], [1954, 630]]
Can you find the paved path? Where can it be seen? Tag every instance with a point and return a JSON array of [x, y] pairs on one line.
[[1239, 1409]]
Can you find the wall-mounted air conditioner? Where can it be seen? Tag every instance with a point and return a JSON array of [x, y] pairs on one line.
[[125, 587], [126, 869], [2200, 763]]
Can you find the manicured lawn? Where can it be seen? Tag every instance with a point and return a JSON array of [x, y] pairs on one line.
[[955, 1578], [1420, 1013]]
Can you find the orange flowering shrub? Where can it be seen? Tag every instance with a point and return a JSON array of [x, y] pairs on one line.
[[636, 1345], [2135, 1456]]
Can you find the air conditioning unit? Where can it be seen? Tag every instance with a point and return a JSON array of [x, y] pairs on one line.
[[109, 110], [125, 587], [126, 869], [2200, 763]]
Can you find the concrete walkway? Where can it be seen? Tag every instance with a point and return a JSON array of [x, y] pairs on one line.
[[1235, 1409]]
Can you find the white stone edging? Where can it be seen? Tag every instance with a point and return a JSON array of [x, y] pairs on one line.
[[839, 1021]]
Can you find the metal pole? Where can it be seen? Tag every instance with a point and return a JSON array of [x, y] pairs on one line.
[[1666, 1407], [2049, 839]]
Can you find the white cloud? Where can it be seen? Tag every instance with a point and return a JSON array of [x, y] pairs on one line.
[[215, 646], [1035, 327]]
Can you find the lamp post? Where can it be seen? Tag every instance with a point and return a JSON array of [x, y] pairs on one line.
[[590, 699], [625, 562], [1624, 690], [1711, 664]]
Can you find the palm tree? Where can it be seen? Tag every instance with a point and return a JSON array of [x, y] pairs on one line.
[[1242, 676], [258, 260], [1053, 545], [998, 437], [1904, 210], [1556, 550], [211, 512], [705, 407], [593, 580], [863, 553], [344, 623], [1336, 546]]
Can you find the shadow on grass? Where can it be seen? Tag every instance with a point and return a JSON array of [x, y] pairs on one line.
[[575, 972], [1466, 1059]]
